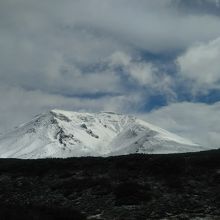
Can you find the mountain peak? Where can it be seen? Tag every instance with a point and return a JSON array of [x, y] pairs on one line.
[[61, 133]]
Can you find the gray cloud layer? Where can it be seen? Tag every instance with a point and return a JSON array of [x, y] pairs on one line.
[[86, 55]]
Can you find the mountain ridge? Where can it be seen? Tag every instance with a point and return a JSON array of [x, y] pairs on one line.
[[59, 133]]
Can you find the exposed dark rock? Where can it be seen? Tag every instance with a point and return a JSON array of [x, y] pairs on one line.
[[63, 137], [90, 132], [31, 130], [83, 126]]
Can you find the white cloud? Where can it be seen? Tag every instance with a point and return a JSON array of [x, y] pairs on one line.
[[140, 71], [200, 64], [145, 74], [196, 121], [120, 59]]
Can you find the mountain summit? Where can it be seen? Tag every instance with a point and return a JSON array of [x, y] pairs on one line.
[[62, 134]]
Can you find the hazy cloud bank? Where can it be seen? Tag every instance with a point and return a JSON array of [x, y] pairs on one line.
[[91, 56]]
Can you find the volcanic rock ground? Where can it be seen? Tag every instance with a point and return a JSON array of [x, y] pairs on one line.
[[177, 186]]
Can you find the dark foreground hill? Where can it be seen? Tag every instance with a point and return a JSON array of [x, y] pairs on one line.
[[178, 186]]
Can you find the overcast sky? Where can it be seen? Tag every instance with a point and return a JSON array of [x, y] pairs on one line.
[[159, 59]]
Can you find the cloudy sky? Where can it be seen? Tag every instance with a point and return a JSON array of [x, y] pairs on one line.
[[159, 59]]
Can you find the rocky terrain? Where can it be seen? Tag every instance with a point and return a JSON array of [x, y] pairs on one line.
[[177, 186]]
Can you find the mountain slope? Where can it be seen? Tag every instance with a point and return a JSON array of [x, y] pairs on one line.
[[67, 134]]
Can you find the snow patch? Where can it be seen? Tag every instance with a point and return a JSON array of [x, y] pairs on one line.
[[62, 134]]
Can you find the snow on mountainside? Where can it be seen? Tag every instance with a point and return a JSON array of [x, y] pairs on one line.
[[63, 134]]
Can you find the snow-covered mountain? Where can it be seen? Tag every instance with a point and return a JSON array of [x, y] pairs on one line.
[[63, 134]]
